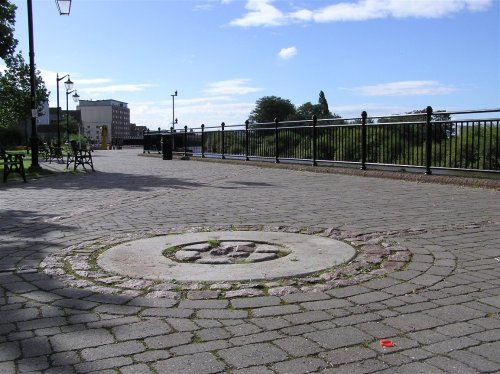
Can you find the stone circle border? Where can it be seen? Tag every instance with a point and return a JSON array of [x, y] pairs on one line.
[[377, 254], [144, 259]]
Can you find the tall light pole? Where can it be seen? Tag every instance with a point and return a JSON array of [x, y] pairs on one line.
[[64, 7], [76, 97], [173, 108], [69, 86]]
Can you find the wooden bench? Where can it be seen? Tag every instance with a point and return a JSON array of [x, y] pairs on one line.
[[79, 156], [12, 162]]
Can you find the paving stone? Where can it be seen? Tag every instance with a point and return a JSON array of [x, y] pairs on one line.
[[243, 329], [167, 341], [136, 369], [475, 361], [298, 346], [339, 337], [36, 347], [347, 355], [413, 322], [204, 304], [112, 350], [152, 356], [217, 333], [488, 350], [451, 345], [459, 329], [41, 323], [80, 339], [300, 365], [65, 358], [141, 330], [449, 365], [200, 363], [190, 349], [100, 365], [326, 304], [275, 310], [252, 355], [307, 317], [305, 297], [367, 366], [455, 313], [255, 302], [32, 364], [222, 314], [253, 370], [152, 302], [256, 338], [9, 351], [182, 324]]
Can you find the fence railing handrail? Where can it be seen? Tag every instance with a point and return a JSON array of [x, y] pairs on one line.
[[431, 140]]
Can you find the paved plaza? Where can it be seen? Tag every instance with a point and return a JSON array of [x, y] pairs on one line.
[[440, 306]]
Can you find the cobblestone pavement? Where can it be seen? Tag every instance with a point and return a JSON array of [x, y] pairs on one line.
[[441, 310]]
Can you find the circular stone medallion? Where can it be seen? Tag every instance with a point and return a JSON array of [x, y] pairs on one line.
[[144, 258]]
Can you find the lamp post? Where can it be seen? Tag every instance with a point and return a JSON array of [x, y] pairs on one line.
[[69, 86], [64, 7], [173, 108], [76, 97]]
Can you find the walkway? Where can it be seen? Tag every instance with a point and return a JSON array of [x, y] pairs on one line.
[[441, 311]]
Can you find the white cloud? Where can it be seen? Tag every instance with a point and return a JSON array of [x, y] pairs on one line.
[[231, 87], [116, 88], [404, 88], [287, 53], [262, 13]]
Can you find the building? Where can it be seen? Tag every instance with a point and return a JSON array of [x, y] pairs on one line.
[[113, 114]]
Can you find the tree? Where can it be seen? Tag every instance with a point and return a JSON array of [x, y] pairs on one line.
[[268, 108], [307, 110], [323, 106], [7, 20], [15, 91]]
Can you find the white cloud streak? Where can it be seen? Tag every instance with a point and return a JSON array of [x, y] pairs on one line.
[[404, 88], [263, 13], [287, 53], [231, 87]]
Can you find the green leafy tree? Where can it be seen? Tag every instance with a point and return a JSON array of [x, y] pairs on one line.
[[268, 108], [323, 106], [307, 110], [7, 20], [15, 91]]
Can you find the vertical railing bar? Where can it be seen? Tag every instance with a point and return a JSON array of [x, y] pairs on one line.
[[276, 150], [428, 145]]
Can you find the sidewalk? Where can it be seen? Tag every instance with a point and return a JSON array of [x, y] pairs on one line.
[[441, 310]]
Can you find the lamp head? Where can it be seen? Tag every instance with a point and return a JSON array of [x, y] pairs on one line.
[[64, 7], [68, 84]]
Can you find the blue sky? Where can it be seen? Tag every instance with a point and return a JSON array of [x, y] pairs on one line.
[[382, 56]]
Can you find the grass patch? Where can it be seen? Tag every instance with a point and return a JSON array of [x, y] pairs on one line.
[[214, 242]]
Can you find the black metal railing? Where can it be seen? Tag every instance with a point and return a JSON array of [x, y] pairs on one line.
[[426, 140]]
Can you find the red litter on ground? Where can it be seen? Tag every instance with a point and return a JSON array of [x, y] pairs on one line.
[[386, 343]]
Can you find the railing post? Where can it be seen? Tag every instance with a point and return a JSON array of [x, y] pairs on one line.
[[143, 141], [202, 140], [276, 147], [364, 115], [314, 141], [428, 140], [185, 140], [222, 140], [246, 140]]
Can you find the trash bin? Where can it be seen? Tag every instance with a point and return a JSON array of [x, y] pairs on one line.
[[166, 147]]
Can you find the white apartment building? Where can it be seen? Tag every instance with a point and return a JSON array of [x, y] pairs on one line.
[[113, 114]]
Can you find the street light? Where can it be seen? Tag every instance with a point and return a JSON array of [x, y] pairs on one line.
[[63, 7], [76, 97], [69, 86], [173, 108]]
